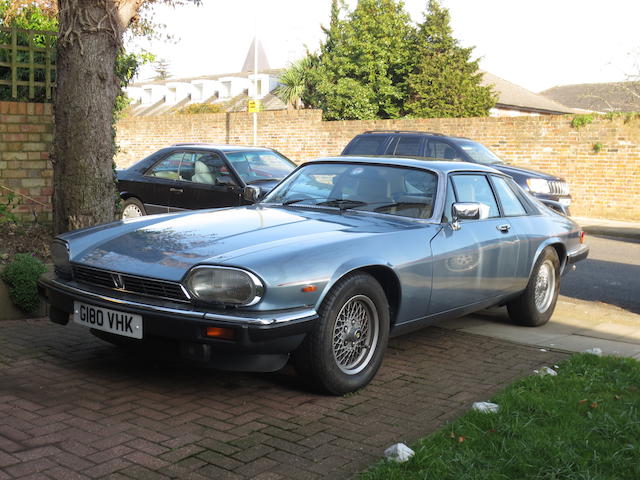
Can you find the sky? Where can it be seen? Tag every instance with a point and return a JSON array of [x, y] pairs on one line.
[[536, 44]]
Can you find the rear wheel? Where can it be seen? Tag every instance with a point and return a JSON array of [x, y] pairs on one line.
[[132, 207], [344, 350], [536, 304]]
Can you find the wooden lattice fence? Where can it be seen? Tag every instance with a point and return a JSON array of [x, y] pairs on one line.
[[27, 64]]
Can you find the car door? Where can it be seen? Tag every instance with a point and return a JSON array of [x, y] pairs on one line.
[[205, 182], [160, 181], [478, 261]]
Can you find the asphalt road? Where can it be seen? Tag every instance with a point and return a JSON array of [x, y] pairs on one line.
[[611, 274]]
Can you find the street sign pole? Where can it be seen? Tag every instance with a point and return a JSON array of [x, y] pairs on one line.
[[255, 80]]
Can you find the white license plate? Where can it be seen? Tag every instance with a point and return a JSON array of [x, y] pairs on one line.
[[565, 202], [107, 320]]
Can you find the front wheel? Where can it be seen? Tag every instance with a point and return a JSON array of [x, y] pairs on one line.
[[344, 350], [536, 304]]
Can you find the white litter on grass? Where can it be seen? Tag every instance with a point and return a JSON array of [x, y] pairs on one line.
[[546, 371], [486, 407], [398, 452], [543, 350], [594, 351]]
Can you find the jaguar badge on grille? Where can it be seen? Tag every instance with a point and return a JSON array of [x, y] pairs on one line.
[[117, 280]]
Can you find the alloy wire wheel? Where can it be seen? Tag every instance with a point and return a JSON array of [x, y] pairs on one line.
[[344, 349], [537, 302], [355, 332], [544, 286]]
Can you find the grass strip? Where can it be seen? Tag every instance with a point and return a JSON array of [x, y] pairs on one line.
[[581, 424]]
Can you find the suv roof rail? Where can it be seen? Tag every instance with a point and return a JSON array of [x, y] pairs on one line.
[[405, 131], [436, 134]]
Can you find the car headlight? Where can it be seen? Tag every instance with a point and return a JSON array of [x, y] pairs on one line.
[[224, 285], [538, 185], [60, 256]]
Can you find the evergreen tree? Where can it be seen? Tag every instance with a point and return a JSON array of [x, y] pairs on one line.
[[445, 81], [162, 69], [363, 64]]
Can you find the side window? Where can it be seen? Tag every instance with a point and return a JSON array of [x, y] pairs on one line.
[[511, 204], [448, 203], [409, 145], [438, 149], [209, 168], [476, 188], [366, 145], [167, 168]]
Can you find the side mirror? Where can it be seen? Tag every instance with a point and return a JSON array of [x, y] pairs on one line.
[[468, 211], [251, 193]]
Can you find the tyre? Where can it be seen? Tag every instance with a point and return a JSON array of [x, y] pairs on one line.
[[536, 304], [344, 350], [132, 207]]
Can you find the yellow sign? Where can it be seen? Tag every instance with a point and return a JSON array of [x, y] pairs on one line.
[[254, 106]]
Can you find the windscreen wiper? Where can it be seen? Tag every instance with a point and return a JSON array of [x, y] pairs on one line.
[[342, 204]]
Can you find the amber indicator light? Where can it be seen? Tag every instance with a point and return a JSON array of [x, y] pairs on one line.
[[581, 237], [309, 288], [218, 332]]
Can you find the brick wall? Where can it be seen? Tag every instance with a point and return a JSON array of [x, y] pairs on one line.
[[25, 137], [604, 184]]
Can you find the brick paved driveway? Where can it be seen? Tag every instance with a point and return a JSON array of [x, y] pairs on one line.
[[72, 406]]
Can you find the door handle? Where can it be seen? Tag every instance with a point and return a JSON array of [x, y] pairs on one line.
[[176, 190], [504, 228]]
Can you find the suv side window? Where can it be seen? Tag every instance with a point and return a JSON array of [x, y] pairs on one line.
[[438, 149], [511, 205], [367, 145], [476, 188], [409, 145]]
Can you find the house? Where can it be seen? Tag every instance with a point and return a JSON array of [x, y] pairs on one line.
[[230, 90], [598, 97], [514, 100], [233, 90]]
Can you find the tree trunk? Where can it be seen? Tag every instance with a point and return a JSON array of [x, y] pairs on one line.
[[83, 144]]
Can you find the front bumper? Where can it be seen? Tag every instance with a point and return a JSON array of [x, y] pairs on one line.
[[262, 340]]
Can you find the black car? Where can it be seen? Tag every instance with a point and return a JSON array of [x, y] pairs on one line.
[[188, 176], [552, 191]]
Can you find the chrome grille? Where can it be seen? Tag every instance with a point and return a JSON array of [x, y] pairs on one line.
[[559, 188], [129, 283]]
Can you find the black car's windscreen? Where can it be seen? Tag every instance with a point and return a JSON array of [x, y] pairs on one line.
[[260, 165], [404, 192], [478, 152]]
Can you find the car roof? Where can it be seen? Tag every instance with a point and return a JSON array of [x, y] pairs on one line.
[[224, 148], [417, 162]]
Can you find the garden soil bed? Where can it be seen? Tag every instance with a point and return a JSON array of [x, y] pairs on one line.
[[33, 238]]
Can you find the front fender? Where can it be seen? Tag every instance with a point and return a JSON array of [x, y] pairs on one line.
[[347, 267]]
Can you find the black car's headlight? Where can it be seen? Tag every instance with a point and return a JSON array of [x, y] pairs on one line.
[[538, 185], [60, 257], [226, 285]]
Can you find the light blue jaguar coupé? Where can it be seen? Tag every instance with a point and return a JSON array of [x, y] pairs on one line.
[[341, 254]]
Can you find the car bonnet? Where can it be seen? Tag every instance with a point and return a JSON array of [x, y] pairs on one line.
[[167, 246]]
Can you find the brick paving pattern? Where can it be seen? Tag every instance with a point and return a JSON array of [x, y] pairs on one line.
[[74, 407]]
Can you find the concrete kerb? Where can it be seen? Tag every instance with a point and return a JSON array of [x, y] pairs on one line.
[[576, 326], [610, 228]]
